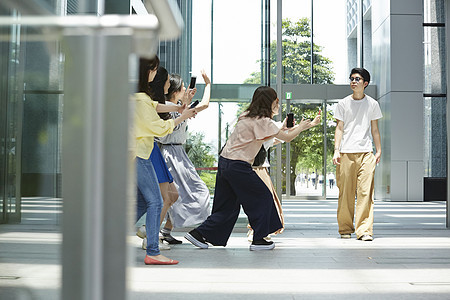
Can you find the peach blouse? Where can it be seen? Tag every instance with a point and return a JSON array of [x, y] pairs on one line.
[[247, 138]]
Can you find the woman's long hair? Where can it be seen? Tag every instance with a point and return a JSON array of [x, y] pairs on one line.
[[261, 105], [145, 66], [156, 89], [175, 86]]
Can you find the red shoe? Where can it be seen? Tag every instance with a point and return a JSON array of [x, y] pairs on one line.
[[150, 261]]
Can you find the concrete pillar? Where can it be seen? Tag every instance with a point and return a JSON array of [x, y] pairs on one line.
[[397, 41]]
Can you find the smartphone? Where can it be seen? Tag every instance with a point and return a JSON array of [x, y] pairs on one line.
[[290, 120], [192, 84], [194, 104]]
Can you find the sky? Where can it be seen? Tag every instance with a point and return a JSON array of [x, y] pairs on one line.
[[237, 45]]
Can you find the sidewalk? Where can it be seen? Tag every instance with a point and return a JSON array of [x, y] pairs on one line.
[[409, 259]]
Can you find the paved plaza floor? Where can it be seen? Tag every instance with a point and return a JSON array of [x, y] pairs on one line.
[[408, 259]]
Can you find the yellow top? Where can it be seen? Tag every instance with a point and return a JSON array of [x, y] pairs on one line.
[[148, 124]]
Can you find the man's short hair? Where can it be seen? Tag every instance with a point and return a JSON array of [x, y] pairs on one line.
[[363, 72]]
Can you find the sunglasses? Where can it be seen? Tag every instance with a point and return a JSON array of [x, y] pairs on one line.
[[357, 79]]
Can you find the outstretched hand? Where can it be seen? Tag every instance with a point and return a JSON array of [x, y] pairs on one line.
[[316, 121], [205, 77], [305, 124]]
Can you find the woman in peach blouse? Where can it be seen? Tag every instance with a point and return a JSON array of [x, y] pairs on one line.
[[237, 183]]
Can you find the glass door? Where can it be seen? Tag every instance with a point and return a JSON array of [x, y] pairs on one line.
[[330, 175], [309, 172], [306, 163], [10, 124]]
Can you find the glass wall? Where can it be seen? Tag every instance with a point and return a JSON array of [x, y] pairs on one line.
[[31, 139], [239, 54], [435, 100]]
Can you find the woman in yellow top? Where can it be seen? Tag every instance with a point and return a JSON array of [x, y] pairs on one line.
[[147, 125]]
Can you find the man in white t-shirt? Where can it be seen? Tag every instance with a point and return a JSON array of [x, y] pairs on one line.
[[357, 124]]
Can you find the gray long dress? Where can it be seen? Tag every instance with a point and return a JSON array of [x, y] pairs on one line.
[[193, 204]]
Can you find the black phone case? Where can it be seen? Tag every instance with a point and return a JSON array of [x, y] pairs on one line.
[[192, 83], [290, 120], [194, 104]]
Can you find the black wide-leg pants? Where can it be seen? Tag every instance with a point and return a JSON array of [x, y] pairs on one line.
[[237, 184]]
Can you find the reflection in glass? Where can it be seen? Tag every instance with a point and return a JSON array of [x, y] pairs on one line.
[[236, 45], [435, 139], [330, 36], [435, 60], [433, 11]]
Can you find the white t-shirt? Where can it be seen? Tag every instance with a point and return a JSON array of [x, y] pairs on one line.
[[357, 115]]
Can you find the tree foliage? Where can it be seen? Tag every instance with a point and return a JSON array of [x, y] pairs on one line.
[[296, 61], [199, 152], [307, 149]]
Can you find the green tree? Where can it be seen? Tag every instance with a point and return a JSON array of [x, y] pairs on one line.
[[307, 149], [199, 152], [296, 45], [201, 155]]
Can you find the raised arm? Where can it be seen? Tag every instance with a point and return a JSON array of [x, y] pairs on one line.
[[295, 131], [206, 94], [164, 108]]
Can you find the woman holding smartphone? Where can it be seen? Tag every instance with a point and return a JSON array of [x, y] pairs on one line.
[[193, 204], [147, 125], [237, 183]]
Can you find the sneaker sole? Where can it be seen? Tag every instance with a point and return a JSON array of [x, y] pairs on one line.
[[172, 242], [261, 247], [141, 234], [195, 242]]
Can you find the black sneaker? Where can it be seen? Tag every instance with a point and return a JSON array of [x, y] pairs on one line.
[[170, 239], [196, 239], [262, 244]]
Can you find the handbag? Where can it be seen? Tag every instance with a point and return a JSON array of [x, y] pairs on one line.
[[260, 158]]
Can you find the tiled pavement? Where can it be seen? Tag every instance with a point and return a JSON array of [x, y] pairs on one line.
[[409, 259]]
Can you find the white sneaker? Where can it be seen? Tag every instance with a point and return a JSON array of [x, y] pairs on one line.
[[162, 246], [366, 237], [141, 232]]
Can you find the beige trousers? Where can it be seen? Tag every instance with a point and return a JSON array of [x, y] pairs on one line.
[[355, 177], [265, 177]]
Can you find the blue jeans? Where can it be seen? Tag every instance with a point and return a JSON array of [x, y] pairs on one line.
[[149, 200]]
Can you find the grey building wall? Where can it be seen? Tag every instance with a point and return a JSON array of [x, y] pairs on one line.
[[397, 37]]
